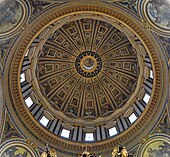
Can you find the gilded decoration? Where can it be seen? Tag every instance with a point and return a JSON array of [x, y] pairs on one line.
[[88, 64], [87, 69]]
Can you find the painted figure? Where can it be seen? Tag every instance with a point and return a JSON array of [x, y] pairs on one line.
[[159, 11], [14, 152], [8, 11], [162, 151]]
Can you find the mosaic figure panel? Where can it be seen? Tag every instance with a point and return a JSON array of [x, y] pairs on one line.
[[156, 146], [11, 15], [16, 151], [158, 149], [158, 12], [17, 147]]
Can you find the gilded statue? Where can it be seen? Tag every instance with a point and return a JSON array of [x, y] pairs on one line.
[[49, 153], [120, 152], [87, 154]]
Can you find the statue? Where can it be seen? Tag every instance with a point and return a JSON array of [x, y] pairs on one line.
[[49, 153], [87, 154], [120, 152], [115, 152]]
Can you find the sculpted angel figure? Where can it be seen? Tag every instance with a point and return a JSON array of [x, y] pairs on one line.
[[120, 152], [49, 153], [115, 152]]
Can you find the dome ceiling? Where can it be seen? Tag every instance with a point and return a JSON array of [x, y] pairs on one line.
[[87, 69], [88, 73]]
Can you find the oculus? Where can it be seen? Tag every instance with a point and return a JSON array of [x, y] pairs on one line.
[[88, 64]]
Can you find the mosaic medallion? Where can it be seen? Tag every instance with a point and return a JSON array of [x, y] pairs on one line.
[[12, 16], [16, 148], [158, 14], [156, 145]]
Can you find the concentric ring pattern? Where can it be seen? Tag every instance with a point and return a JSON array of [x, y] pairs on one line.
[[87, 69], [85, 75]]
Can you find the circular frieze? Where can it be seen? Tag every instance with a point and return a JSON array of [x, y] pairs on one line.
[[50, 85]]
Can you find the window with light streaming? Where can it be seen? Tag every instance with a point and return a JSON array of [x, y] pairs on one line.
[[65, 133], [29, 102], [151, 74], [22, 77], [112, 131], [44, 121], [89, 137], [132, 118], [146, 98]]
